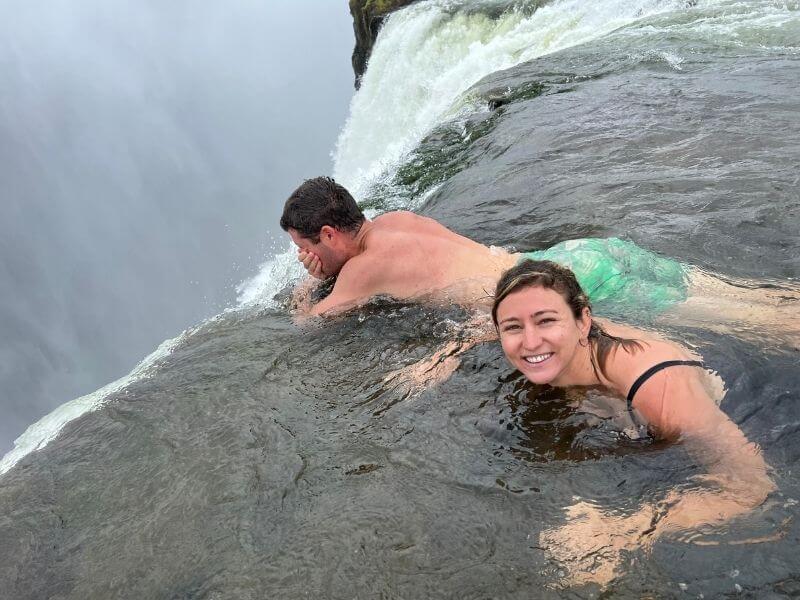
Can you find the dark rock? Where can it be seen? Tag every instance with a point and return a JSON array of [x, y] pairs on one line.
[[368, 16], [495, 102]]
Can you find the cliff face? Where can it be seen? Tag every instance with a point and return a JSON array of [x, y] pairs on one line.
[[368, 15]]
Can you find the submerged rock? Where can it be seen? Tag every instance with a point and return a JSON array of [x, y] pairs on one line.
[[368, 16]]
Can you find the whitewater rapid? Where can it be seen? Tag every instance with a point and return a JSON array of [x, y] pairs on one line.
[[428, 55]]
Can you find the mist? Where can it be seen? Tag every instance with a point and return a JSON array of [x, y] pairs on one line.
[[146, 149]]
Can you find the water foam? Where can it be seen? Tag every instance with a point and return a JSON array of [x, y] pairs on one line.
[[273, 275], [753, 25]]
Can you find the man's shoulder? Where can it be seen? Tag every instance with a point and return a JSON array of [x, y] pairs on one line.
[[397, 228], [404, 221], [382, 263], [397, 215], [364, 266]]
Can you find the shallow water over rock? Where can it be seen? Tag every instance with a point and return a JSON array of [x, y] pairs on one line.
[[265, 458]]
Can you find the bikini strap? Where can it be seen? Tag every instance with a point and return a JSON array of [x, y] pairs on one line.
[[655, 369]]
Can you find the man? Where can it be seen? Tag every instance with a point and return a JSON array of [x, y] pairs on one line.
[[407, 256], [400, 254]]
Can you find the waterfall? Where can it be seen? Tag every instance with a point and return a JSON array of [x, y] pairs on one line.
[[429, 54]]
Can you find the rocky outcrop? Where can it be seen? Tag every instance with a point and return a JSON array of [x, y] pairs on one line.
[[368, 16]]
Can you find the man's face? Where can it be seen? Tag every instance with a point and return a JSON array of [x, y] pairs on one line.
[[331, 260]]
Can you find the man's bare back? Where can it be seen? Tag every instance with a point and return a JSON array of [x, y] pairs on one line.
[[405, 256]]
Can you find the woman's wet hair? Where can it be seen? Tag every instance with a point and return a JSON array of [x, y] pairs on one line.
[[552, 276], [317, 202]]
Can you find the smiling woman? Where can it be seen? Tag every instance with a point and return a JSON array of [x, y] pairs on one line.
[[551, 327], [547, 331]]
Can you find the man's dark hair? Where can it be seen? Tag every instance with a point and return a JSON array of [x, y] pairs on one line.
[[320, 201]]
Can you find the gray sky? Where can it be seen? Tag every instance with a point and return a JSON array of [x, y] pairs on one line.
[[146, 148]]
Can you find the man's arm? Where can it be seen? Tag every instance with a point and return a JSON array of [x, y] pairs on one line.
[[356, 283]]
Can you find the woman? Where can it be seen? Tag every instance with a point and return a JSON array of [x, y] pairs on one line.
[[547, 331]]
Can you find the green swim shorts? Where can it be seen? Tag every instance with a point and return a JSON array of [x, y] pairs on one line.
[[618, 276]]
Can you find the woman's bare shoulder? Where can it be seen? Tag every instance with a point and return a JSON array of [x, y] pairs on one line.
[[653, 344], [627, 362]]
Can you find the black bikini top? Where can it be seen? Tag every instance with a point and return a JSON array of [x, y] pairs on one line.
[[655, 369]]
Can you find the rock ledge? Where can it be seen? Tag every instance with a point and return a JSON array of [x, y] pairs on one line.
[[368, 16]]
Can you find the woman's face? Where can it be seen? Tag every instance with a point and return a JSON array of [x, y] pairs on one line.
[[539, 334]]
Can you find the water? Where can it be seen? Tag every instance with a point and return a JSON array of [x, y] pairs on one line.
[[262, 457], [417, 77]]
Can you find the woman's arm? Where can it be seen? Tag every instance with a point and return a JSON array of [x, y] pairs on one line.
[[676, 403], [438, 367]]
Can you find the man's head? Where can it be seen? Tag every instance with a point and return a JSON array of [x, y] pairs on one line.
[[322, 217]]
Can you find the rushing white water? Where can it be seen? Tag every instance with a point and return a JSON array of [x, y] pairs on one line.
[[271, 278], [425, 58], [427, 55]]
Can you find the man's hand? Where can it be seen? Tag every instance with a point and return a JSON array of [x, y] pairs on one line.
[[311, 262]]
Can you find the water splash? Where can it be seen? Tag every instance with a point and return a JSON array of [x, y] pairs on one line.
[[272, 277]]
